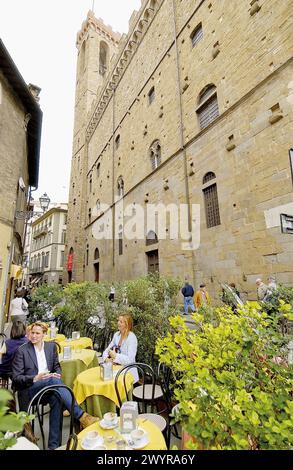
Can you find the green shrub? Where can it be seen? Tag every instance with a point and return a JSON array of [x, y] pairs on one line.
[[10, 423], [232, 392], [44, 299]]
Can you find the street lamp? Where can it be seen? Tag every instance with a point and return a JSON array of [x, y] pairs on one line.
[[44, 201]]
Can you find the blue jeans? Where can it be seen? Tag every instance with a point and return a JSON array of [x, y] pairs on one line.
[[188, 302], [55, 407]]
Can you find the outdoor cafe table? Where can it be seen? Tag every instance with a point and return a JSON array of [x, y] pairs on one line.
[[156, 438], [81, 343], [81, 359], [96, 396]]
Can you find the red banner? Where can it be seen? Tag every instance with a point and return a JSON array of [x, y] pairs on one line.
[[70, 262]]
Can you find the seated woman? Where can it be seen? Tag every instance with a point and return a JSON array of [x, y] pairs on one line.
[[17, 338], [123, 347]]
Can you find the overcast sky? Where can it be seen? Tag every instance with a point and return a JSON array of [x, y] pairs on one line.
[[40, 36]]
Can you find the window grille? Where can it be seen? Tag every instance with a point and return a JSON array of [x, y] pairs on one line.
[[208, 112], [208, 177], [211, 206], [196, 35]]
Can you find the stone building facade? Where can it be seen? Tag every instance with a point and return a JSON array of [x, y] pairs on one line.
[[47, 247], [20, 136], [194, 112]]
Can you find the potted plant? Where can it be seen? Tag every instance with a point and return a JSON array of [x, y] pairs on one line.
[[10, 423], [233, 384]]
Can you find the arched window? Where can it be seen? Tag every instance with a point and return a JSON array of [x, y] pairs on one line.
[[155, 154], [96, 254], [90, 215], [98, 169], [151, 238], [151, 95], [208, 177], [117, 141], [104, 58], [207, 109], [196, 35], [211, 202], [120, 186], [98, 205]]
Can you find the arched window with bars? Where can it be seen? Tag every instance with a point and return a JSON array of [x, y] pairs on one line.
[[207, 109], [211, 202]]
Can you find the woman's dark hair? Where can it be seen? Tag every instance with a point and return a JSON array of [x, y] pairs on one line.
[[18, 330]]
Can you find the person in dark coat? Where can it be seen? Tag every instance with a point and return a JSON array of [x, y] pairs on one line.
[[188, 293], [34, 367], [17, 338]]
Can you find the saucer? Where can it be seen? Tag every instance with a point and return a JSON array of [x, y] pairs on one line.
[[141, 444], [103, 424], [98, 442]]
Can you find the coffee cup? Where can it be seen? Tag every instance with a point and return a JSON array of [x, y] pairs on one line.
[[110, 418], [137, 435], [92, 439]]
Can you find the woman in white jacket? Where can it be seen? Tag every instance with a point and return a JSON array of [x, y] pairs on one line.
[[123, 347], [18, 307]]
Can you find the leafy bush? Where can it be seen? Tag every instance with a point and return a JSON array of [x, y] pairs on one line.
[[10, 423], [152, 300], [44, 299], [233, 384]]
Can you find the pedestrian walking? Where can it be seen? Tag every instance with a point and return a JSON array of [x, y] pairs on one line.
[[202, 297], [18, 307], [188, 293], [112, 294], [262, 289]]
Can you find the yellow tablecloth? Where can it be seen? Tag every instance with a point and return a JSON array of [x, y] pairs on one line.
[[80, 361], [156, 438], [81, 343], [84, 355], [59, 338], [90, 383]]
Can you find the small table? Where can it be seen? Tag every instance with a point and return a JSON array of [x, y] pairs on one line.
[[96, 396], [81, 360], [156, 438]]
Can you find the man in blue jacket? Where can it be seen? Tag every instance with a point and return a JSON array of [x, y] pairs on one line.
[[35, 366], [188, 293]]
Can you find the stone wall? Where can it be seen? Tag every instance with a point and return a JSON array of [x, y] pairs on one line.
[[245, 54]]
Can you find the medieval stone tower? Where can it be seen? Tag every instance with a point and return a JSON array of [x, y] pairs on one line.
[[193, 109], [96, 44]]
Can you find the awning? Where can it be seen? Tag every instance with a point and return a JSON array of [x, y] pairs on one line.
[[15, 271]]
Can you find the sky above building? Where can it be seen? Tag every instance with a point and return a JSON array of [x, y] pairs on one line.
[[40, 36]]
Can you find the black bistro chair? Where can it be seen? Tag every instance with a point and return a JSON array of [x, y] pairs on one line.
[[35, 407], [146, 395]]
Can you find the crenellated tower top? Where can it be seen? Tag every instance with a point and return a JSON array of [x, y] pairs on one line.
[[98, 25]]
